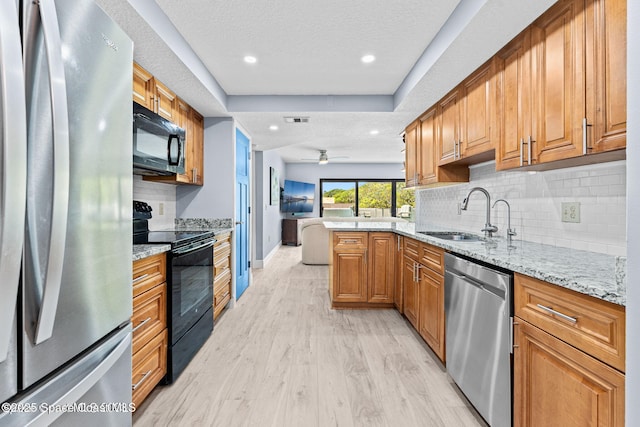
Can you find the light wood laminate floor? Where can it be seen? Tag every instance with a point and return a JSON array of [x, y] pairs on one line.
[[282, 357]]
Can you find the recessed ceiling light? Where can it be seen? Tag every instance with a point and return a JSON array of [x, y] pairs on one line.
[[374, 132], [250, 59], [367, 59], [273, 127]]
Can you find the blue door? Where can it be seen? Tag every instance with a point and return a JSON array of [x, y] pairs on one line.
[[242, 213]]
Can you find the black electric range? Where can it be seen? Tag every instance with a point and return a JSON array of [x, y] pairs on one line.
[[190, 290]]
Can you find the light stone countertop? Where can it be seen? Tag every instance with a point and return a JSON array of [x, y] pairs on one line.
[[589, 273], [144, 251]]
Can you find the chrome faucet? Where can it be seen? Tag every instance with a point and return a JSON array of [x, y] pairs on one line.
[[488, 228], [510, 232]]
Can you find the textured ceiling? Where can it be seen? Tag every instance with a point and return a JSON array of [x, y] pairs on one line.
[[309, 63]]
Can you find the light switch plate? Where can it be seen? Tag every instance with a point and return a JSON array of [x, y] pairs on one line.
[[571, 212]]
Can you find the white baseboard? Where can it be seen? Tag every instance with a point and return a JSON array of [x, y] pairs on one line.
[[262, 263]]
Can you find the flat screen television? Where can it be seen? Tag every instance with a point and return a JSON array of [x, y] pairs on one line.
[[297, 197]]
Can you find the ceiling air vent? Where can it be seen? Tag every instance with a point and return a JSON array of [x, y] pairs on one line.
[[296, 119]]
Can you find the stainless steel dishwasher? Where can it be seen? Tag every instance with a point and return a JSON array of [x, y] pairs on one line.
[[479, 336]]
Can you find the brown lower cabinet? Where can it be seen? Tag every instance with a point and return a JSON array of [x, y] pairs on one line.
[[556, 384], [567, 347], [423, 290], [362, 269], [221, 273], [149, 321]]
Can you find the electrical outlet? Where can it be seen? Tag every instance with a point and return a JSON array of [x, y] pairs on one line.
[[571, 212], [161, 208]]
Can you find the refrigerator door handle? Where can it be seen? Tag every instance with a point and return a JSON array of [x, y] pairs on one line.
[[14, 166], [60, 198]]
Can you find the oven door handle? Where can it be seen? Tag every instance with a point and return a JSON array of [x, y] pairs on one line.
[[181, 252]]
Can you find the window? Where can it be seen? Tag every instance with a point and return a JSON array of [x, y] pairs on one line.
[[366, 197]]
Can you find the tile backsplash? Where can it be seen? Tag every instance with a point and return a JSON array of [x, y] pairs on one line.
[[536, 205], [162, 199]]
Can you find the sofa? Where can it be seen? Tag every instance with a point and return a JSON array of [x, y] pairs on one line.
[[315, 237]]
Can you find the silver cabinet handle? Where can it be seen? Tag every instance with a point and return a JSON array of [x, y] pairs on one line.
[[14, 164], [194, 175], [50, 279], [557, 313], [529, 145], [144, 377], [350, 241], [585, 135], [140, 324], [139, 278]]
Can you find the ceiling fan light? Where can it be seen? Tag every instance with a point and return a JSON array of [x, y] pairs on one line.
[[324, 159]]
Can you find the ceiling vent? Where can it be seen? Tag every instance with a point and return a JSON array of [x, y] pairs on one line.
[[296, 119]]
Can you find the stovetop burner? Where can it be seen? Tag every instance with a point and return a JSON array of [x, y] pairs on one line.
[[177, 238]]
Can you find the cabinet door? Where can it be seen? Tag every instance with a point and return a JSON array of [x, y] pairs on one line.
[[411, 136], [478, 112], [398, 293], [410, 288], [349, 266], [607, 74], [514, 94], [183, 117], [428, 163], [558, 40], [431, 310], [166, 102], [197, 148], [556, 384], [143, 87], [382, 273], [449, 127]]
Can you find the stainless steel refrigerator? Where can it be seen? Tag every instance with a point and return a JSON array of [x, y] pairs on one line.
[[65, 215]]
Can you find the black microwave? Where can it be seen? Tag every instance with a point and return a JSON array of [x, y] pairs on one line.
[[158, 144]]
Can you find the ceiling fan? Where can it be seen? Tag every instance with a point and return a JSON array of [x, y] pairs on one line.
[[324, 158]]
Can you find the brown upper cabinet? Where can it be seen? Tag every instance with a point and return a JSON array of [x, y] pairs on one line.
[[555, 96], [448, 136], [573, 58], [514, 102], [153, 94], [478, 113], [467, 118], [411, 164], [607, 74], [422, 146]]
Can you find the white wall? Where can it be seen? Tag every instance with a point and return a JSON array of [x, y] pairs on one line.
[[161, 198], [633, 213], [313, 172], [268, 219], [215, 199], [535, 201]]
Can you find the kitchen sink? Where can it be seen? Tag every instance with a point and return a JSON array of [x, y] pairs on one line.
[[453, 236]]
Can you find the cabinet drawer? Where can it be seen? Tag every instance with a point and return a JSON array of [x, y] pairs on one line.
[[343, 240], [219, 266], [148, 272], [149, 365], [149, 315], [219, 303], [594, 326], [432, 257], [221, 280], [221, 252], [411, 248]]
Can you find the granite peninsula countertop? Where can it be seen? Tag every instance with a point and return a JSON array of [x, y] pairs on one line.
[[590, 273]]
